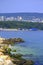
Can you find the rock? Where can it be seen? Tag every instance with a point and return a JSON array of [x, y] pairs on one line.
[[29, 63], [5, 59], [1, 39], [1, 61], [8, 62], [1, 53]]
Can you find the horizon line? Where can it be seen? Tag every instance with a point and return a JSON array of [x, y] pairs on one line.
[[19, 12]]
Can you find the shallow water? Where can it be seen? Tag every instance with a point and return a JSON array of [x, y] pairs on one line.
[[32, 48]]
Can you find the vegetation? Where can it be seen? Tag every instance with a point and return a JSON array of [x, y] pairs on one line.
[[20, 24], [15, 58], [12, 41], [14, 50], [20, 61], [7, 50]]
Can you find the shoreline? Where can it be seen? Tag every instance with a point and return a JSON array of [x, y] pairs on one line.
[[6, 55], [8, 29], [1, 29]]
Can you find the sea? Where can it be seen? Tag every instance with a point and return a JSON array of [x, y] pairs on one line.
[[32, 48]]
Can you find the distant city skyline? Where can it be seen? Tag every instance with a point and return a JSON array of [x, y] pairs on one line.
[[15, 6]]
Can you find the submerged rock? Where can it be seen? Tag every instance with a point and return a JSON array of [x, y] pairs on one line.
[[29, 63]]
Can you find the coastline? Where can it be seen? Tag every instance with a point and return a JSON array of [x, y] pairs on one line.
[[10, 29], [2, 29], [15, 29], [5, 53]]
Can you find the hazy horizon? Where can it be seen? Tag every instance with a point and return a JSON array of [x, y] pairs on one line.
[[20, 12]]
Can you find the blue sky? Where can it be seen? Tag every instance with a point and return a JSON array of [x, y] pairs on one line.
[[12, 6]]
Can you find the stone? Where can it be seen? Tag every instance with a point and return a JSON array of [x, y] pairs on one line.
[[8, 62]]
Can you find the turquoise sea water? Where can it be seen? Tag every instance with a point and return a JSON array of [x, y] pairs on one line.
[[32, 48]]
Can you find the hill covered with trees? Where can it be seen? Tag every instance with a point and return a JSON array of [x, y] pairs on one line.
[[21, 24]]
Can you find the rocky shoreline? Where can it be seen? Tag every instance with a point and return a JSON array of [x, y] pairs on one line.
[[6, 58]]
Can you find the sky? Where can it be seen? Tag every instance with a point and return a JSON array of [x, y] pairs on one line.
[[13, 6]]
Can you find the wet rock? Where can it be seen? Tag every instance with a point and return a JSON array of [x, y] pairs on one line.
[[29, 63]]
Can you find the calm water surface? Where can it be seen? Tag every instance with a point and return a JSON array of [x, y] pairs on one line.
[[33, 46]]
